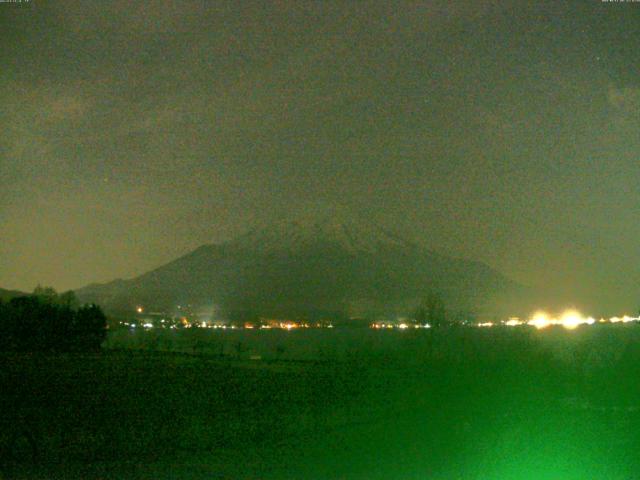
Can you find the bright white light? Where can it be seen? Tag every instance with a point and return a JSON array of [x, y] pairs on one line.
[[148, 325], [571, 319], [486, 324], [403, 326], [139, 310], [540, 320], [513, 322]]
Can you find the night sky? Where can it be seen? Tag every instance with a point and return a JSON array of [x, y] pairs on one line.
[[502, 131]]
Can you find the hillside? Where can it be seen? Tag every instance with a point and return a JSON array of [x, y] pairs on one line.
[[312, 268], [6, 295]]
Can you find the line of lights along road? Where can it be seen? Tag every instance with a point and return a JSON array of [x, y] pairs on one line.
[[569, 319]]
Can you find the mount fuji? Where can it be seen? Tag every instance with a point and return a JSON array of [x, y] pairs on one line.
[[333, 266]]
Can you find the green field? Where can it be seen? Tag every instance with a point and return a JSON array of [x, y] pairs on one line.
[[458, 404]]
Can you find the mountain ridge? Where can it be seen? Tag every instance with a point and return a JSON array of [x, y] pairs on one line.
[[6, 295], [307, 267]]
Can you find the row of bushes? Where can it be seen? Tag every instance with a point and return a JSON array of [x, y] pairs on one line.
[[46, 321]]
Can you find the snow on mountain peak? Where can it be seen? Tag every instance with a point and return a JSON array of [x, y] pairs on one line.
[[350, 233]]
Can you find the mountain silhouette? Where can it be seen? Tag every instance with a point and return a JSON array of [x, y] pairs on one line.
[[313, 267]]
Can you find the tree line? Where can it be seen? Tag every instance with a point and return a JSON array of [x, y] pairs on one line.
[[48, 321], [431, 310]]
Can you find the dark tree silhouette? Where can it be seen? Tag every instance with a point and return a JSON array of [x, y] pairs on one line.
[[432, 311], [89, 328], [46, 321], [69, 299]]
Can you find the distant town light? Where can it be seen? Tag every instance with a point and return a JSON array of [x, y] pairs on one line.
[[139, 309], [540, 320], [571, 319]]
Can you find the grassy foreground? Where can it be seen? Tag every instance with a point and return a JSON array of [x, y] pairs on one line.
[[478, 405]]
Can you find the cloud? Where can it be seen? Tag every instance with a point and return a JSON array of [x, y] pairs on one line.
[[68, 107], [150, 16], [624, 99]]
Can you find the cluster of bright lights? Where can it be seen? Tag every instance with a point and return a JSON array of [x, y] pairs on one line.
[[184, 323], [572, 319], [624, 319], [569, 319], [399, 326], [216, 326], [291, 325], [485, 324]]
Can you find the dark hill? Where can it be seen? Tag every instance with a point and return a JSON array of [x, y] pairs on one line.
[[292, 268], [6, 295]]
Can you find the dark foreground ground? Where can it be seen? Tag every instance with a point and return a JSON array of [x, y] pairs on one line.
[[517, 404]]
